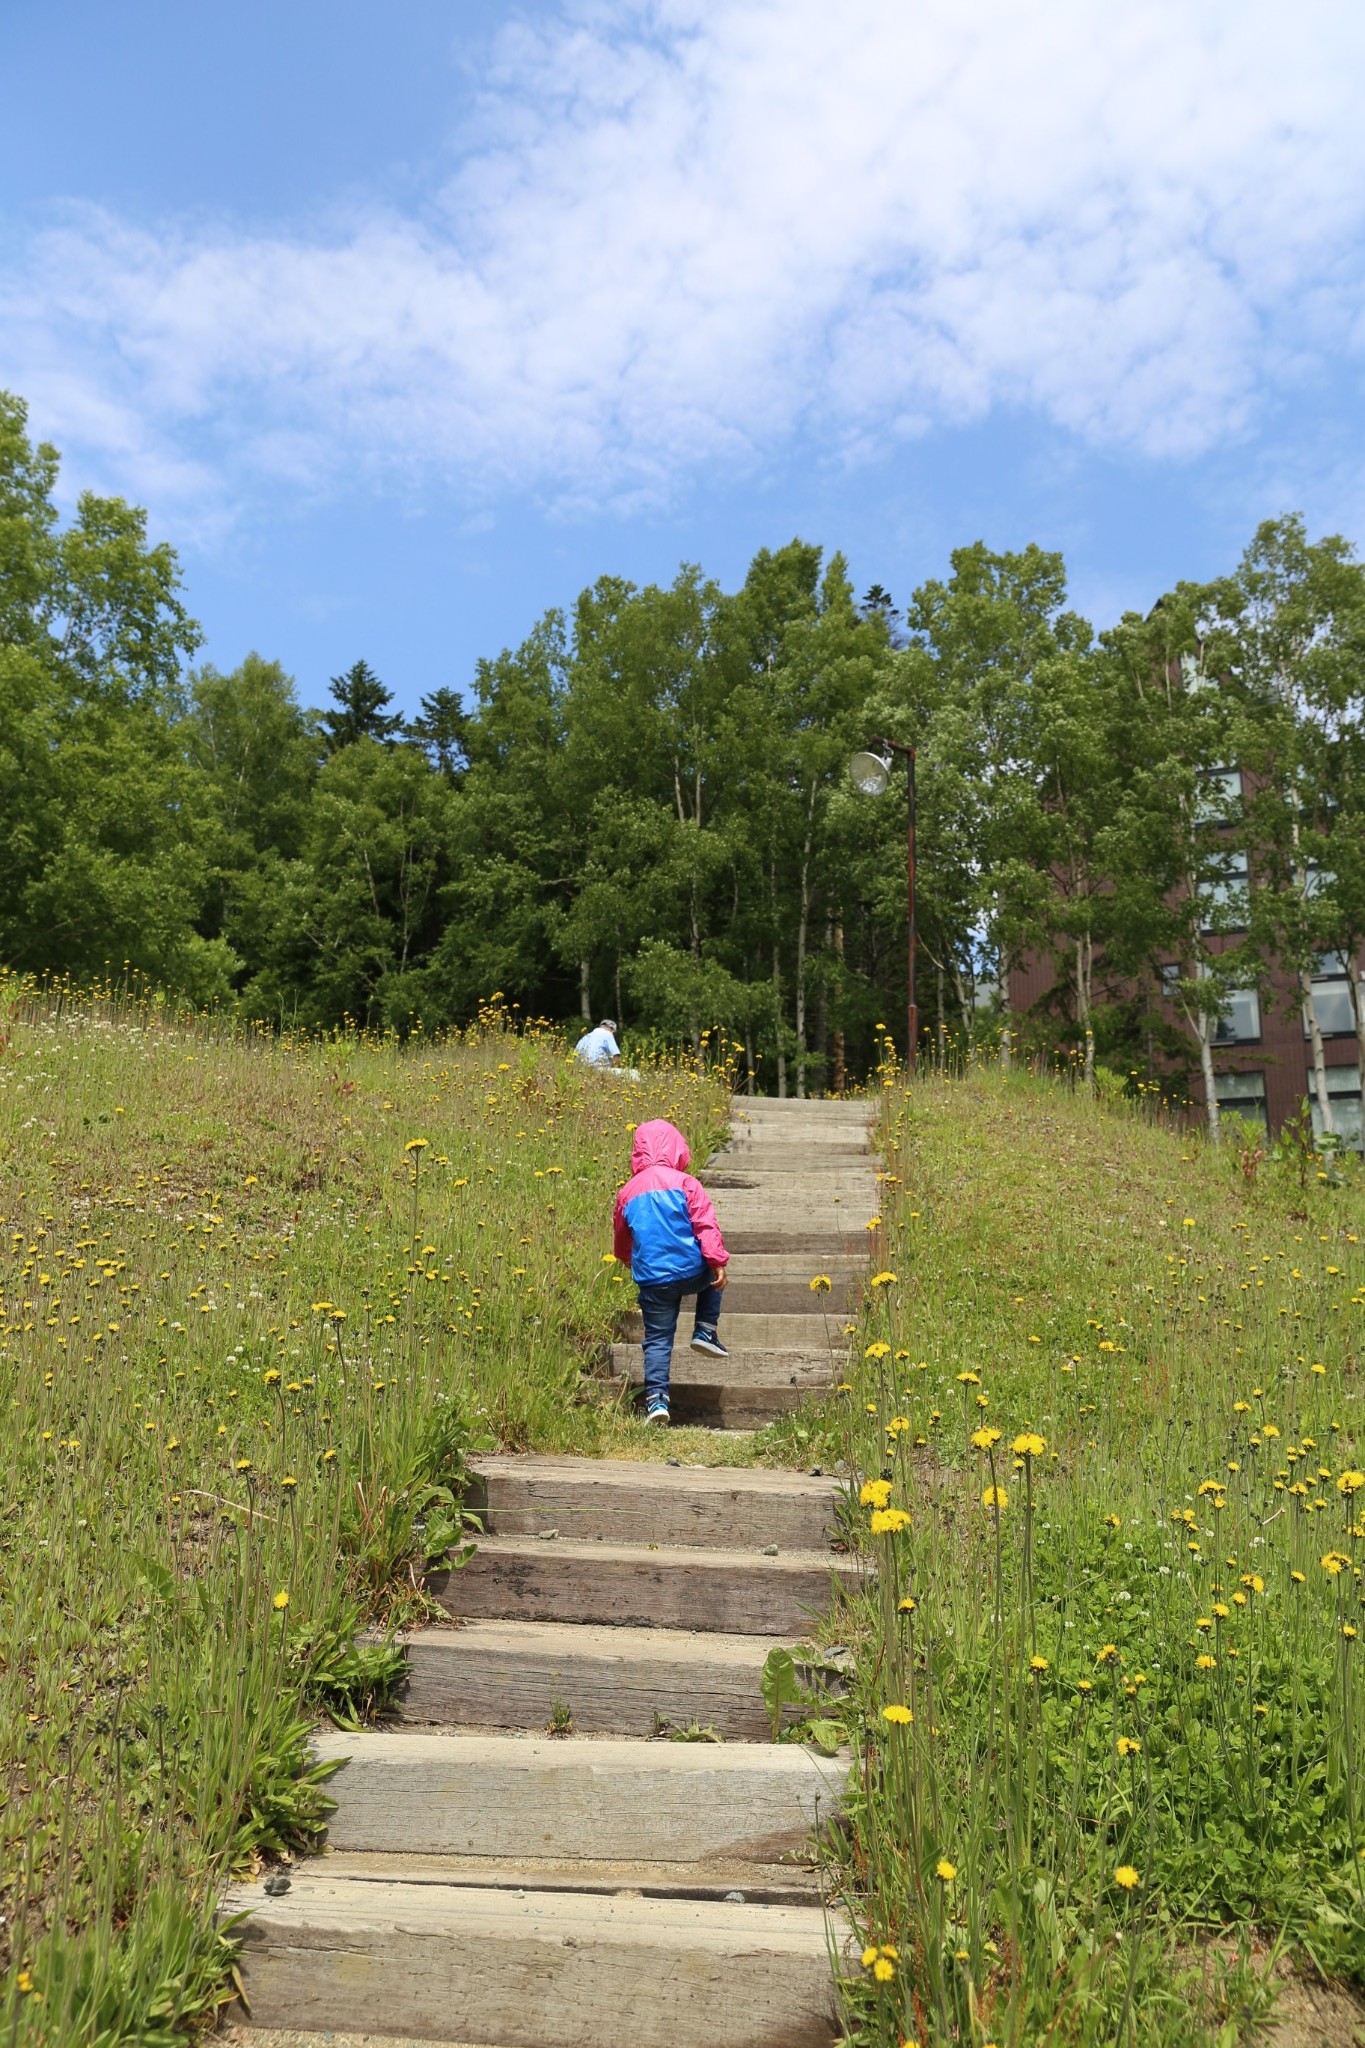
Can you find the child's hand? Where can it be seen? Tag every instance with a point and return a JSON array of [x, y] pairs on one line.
[[718, 1276]]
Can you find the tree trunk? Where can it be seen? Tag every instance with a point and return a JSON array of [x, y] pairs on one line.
[[822, 1019], [802, 934], [1006, 1015], [840, 1057], [584, 1003], [1205, 1028], [1085, 961], [942, 1021], [777, 1023], [1310, 1010], [966, 1004], [617, 1012], [777, 984]]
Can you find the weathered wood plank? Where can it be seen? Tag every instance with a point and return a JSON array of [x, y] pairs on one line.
[[512, 1674], [549, 1970], [734, 1408], [808, 1368], [758, 1332], [521, 1578], [626, 1502], [788, 1883], [662, 1802], [764, 1294], [808, 1241]]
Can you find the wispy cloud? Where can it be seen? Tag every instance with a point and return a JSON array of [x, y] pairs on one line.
[[685, 236]]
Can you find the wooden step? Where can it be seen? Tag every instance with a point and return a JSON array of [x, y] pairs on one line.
[[733, 1408], [523, 1578], [747, 1332], [788, 1883], [822, 1113], [770, 1294], [810, 1242], [595, 1797], [624, 1502], [764, 1207], [807, 1367], [748, 1390], [790, 1263], [545, 1970], [619, 1681], [788, 1190]]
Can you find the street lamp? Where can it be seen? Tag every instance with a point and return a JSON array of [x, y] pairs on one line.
[[871, 773]]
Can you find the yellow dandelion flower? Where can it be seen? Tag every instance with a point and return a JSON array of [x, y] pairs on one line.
[[888, 1521], [875, 1493], [1029, 1445], [984, 1439], [1127, 1877], [898, 1716], [821, 1284], [1128, 1745], [281, 1601], [945, 1871], [995, 1497]]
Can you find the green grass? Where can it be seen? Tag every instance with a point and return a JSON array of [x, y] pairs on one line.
[[1183, 1331], [258, 1301]]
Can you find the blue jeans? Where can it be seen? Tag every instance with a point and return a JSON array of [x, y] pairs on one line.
[[659, 1307]]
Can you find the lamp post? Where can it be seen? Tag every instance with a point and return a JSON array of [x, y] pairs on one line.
[[871, 774]]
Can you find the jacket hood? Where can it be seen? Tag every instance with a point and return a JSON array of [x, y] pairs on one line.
[[659, 1143]]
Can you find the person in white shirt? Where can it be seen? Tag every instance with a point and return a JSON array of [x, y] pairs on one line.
[[599, 1048]]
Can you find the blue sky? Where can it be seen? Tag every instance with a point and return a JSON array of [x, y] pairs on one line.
[[405, 324]]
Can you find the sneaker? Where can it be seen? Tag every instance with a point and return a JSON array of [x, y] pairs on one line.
[[658, 1414], [709, 1342]]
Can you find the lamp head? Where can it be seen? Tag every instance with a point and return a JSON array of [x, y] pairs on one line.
[[871, 774]]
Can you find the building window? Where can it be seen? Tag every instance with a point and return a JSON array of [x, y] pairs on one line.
[[1242, 1095], [1225, 898], [1219, 797], [1332, 998], [1240, 1023], [1343, 1092]]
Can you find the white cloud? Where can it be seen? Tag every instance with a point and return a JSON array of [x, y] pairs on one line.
[[687, 235]]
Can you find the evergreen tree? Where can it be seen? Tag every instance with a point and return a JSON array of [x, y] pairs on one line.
[[360, 715], [440, 728]]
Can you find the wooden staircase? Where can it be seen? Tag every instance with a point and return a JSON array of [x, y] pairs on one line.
[[487, 1882]]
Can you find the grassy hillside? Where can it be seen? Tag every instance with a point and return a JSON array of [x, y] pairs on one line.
[[255, 1303], [1110, 1690]]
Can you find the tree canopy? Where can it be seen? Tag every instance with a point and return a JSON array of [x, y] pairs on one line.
[[644, 807]]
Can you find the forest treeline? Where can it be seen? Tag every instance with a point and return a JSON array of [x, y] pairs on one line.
[[645, 809]]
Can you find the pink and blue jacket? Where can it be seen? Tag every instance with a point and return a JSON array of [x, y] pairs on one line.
[[664, 1227]]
